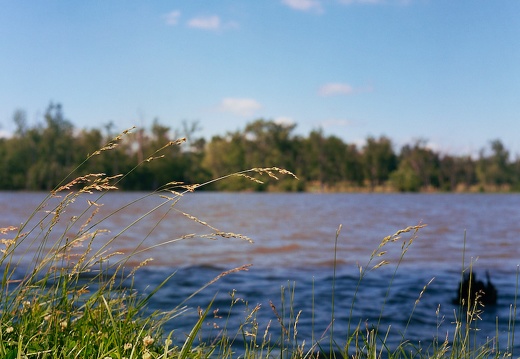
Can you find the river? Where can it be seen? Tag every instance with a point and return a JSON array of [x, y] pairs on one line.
[[293, 249]]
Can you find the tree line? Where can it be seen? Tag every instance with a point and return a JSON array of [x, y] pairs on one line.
[[38, 157]]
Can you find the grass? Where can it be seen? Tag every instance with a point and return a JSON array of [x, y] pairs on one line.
[[75, 298]]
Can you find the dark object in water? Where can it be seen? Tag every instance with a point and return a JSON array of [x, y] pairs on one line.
[[471, 289]]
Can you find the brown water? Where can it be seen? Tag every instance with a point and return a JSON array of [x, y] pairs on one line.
[[294, 230], [294, 237]]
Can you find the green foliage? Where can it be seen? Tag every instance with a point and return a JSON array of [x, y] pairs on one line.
[[379, 160], [418, 168], [405, 179], [38, 157], [494, 169]]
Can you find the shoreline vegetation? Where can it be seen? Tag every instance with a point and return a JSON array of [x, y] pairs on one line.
[[76, 299], [316, 187], [38, 156]]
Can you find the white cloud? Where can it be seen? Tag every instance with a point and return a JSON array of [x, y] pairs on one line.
[[240, 106], [332, 89], [205, 22], [304, 5], [172, 18]]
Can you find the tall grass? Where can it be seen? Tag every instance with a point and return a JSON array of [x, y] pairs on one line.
[[66, 294], [74, 297]]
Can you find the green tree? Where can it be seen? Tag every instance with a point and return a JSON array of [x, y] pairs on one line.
[[225, 155], [405, 178], [515, 174], [418, 168], [39, 157], [314, 158], [379, 160], [330, 161], [57, 147], [456, 172], [268, 144], [20, 152], [192, 154], [262, 143], [495, 169], [20, 120]]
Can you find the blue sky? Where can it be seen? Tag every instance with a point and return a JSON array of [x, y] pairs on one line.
[[447, 71]]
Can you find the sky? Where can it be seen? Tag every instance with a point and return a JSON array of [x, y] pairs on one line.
[[443, 71]]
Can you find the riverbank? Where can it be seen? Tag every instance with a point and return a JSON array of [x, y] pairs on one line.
[[347, 187]]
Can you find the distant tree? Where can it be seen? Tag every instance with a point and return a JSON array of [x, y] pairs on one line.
[[418, 168], [268, 144], [448, 173], [55, 146], [336, 160], [19, 153], [262, 143], [314, 159], [494, 169], [5, 176], [20, 120], [160, 134], [192, 154], [379, 160], [161, 162], [456, 172], [223, 156], [515, 173], [331, 161], [405, 178], [189, 130], [39, 157]]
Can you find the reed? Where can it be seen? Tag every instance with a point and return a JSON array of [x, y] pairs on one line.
[[76, 298]]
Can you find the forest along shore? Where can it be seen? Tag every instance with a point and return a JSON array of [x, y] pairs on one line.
[[38, 157]]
